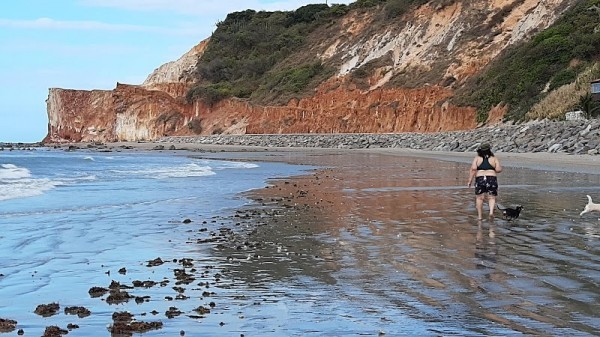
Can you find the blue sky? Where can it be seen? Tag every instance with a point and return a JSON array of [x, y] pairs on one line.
[[93, 44]]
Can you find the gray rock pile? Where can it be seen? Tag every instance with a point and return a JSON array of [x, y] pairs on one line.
[[574, 137]]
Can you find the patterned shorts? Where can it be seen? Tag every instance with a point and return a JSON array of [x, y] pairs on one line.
[[486, 184]]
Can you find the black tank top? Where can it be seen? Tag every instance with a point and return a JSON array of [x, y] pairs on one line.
[[485, 165]]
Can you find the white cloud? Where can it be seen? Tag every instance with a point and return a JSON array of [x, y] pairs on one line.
[[47, 23]]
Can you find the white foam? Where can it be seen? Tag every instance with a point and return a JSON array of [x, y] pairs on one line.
[[183, 171], [17, 182], [9, 172], [221, 165], [240, 165]]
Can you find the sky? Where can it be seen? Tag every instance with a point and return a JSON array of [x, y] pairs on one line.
[[93, 44]]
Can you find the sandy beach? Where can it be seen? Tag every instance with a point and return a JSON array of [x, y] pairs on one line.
[[581, 163], [386, 242], [389, 223]]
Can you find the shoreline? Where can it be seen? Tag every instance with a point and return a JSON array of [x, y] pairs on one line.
[[317, 202], [544, 161]]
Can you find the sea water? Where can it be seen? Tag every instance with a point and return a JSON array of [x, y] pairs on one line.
[[389, 246], [69, 218]]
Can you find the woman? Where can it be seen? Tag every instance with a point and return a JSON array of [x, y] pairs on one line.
[[484, 168]]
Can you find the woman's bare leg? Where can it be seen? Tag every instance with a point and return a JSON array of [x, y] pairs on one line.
[[492, 204], [479, 206]]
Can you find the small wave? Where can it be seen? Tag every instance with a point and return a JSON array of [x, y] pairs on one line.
[[10, 172], [77, 179], [183, 171], [240, 165], [90, 158], [221, 165], [17, 182], [23, 188]]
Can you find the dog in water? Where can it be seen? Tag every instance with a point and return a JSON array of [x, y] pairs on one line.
[[590, 207], [510, 213]]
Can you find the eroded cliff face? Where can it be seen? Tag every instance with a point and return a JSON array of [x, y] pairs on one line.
[[414, 68], [127, 113]]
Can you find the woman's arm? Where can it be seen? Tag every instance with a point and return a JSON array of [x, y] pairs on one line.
[[498, 166], [472, 172]]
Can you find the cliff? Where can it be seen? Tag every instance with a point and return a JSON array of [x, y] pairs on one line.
[[413, 67]]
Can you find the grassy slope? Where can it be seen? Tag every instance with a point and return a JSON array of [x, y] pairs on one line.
[[261, 56]]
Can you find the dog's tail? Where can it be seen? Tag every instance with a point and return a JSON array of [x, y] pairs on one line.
[[500, 208], [589, 199]]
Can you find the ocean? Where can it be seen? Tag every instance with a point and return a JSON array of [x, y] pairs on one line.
[[293, 243], [69, 217]]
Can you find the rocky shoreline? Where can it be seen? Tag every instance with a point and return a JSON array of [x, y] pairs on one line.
[[19, 146], [571, 137], [568, 137]]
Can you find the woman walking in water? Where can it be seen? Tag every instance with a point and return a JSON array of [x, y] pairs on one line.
[[484, 168]]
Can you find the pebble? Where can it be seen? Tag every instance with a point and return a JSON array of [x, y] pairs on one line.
[[572, 137]]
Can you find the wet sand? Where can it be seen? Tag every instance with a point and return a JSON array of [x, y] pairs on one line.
[[385, 242], [395, 232]]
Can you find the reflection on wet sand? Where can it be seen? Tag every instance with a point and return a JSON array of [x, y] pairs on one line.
[[392, 236]]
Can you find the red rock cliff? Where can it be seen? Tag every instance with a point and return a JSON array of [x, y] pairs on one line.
[[432, 40]]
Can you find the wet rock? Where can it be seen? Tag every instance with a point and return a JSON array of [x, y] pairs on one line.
[[187, 263], [172, 312], [47, 310], [7, 325], [504, 137], [134, 327], [54, 331], [122, 316], [156, 262], [118, 297], [202, 310], [144, 284], [183, 277], [97, 292], [123, 324], [142, 299], [114, 285], [81, 312], [181, 297], [72, 326]]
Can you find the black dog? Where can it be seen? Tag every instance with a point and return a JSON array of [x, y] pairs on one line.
[[510, 213]]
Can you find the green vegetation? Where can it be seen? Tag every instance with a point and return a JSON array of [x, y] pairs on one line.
[[396, 8], [247, 56], [589, 107], [264, 57], [285, 83], [524, 74], [367, 3], [246, 49], [567, 97]]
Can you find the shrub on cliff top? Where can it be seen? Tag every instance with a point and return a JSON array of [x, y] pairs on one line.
[[522, 75], [281, 85], [249, 44]]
